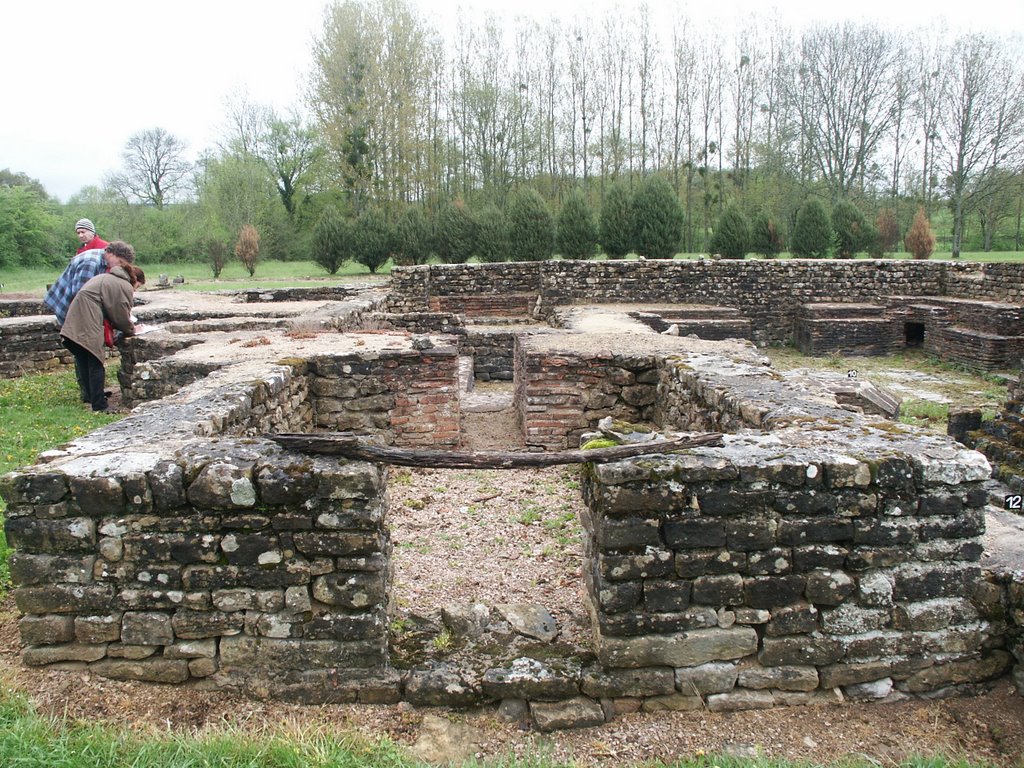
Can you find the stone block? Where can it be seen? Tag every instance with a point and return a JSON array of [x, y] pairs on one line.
[[841, 675], [799, 619], [283, 483], [914, 583], [41, 655], [690, 564], [65, 598], [817, 530], [784, 678], [526, 678], [800, 650], [167, 486], [579, 712], [943, 674], [440, 686], [684, 649], [97, 629], [773, 591], [346, 626], [353, 591], [676, 702], [740, 701], [829, 587], [651, 564], [714, 677], [632, 624], [246, 599], [850, 619], [146, 628], [772, 562], [338, 543], [29, 570], [814, 556], [748, 535], [97, 496], [245, 653], [46, 630], [600, 683], [152, 670], [695, 533], [628, 533], [718, 590], [63, 535], [666, 595], [196, 625]]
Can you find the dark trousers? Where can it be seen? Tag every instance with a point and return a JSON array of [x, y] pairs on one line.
[[90, 374]]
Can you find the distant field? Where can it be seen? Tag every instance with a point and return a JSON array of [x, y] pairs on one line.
[[283, 274]]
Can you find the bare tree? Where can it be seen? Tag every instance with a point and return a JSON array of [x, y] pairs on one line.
[[155, 168], [982, 130], [848, 73]]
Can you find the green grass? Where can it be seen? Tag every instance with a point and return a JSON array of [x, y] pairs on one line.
[[37, 413], [199, 277], [30, 740]]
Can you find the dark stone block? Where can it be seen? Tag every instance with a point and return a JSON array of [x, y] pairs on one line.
[[865, 558], [652, 564], [246, 548], [750, 535], [705, 562], [895, 475], [289, 573], [283, 483], [66, 534], [167, 484], [345, 626], [29, 570], [885, 532], [65, 598], [940, 504], [694, 533], [805, 503], [352, 591], [774, 562], [800, 649], [666, 595], [815, 531], [338, 543], [774, 591], [637, 624], [793, 620], [727, 502], [965, 526], [719, 591], [618, 596], [628, 533], [927, 582], [196, 625], [814, 556]]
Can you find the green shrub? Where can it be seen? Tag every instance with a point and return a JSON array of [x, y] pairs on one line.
[[657, 219], [731, 237], [616, 222], [413, 237], [492, 235], [531, 227], [577, 231], [812, 234], [765, 237], [852, 232], [373, 239], [331, 240], [456, 233]]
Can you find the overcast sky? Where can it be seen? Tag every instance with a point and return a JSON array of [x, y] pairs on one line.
[[77, 79]]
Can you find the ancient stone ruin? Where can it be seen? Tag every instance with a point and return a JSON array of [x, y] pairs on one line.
[[818, 553]]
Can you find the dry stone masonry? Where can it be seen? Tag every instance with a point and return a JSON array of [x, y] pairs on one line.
[[819, 554]]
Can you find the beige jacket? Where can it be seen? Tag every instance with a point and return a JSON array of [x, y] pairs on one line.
[[107, 295]]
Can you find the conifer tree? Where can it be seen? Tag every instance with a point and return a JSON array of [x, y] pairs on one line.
[[812, 233], [577, 231], [531, 227], [658, 219], [920, 240], [616, 227], [731, 237]]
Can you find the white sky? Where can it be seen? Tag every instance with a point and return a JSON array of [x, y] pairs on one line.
[[77, 79]]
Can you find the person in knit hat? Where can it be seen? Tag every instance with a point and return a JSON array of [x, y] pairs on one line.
[[85, 230]]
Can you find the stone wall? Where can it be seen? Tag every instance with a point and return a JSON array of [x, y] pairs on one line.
[[30, 345], [770, 295], [825, 555]]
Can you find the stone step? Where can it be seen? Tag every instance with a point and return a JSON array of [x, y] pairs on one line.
[[838, 311]]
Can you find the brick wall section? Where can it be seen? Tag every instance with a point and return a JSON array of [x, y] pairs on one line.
[[407, 398]]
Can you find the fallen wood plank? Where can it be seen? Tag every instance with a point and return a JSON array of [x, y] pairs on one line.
[[355, 447]]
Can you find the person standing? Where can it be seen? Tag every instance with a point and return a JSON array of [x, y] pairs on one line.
[[78, 272], [85, 230], [110, 296]]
